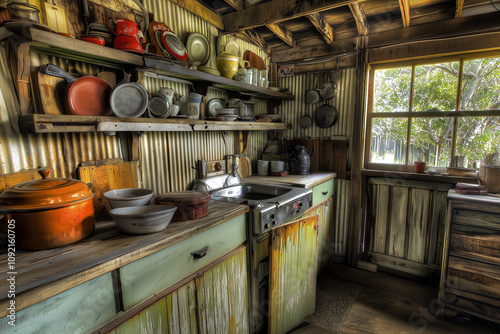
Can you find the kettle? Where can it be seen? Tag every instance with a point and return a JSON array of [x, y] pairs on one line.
[[299, 161]]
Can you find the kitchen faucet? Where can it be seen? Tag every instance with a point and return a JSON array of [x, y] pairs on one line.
[[233, 178]]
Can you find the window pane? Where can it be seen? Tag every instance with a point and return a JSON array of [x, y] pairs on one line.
[[435, 86], [430, 140], [478, 138], [481, 84], [388, 144], [392, 90]]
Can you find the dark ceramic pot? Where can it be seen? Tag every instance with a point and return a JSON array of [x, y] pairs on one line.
[[299, 162]]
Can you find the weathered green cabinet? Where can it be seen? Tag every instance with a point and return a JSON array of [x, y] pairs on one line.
[[215, 302], [293, 270]]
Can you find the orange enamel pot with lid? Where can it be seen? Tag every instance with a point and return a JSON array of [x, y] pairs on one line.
[[48, 212]]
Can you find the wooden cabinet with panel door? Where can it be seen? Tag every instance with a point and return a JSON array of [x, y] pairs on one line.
[[217, 301], [292, 276]]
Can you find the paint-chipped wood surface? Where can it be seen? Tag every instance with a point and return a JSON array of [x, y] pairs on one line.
[[293, 270], [304, 180], [214, 302], [44, 274], [406, 225], [471, 273]]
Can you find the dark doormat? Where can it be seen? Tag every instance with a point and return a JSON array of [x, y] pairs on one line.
[[334, 299]]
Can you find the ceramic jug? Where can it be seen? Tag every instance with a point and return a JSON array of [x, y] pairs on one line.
[[299, 162]]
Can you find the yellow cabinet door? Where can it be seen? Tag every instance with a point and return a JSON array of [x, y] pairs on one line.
[[293, 262]]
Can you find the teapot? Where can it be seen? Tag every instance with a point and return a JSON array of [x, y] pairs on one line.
[[299, 161]]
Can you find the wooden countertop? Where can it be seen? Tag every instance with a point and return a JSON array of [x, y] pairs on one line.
[[484, 199], [305, 180], [43, 274]]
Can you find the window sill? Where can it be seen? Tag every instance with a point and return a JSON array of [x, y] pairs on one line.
[[417, 176]]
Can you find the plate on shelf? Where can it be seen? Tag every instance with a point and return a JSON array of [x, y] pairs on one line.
[[233, 48], [221, 119], [174, 45], [214, 105], [198, 48], [153, 27], [161, 48]]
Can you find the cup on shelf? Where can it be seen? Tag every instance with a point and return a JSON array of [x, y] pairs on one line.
[[262, 167], [263, 78], [277, 166]]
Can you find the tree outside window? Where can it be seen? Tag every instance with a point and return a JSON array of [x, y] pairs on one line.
[[445, 113]]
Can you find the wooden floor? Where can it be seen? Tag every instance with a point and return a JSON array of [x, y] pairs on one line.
[[390, 304]]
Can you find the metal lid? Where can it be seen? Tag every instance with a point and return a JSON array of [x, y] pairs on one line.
[[44, 194], [188, 197], [326, 116]]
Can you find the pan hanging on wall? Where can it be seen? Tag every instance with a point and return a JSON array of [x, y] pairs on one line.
[[326, 116]]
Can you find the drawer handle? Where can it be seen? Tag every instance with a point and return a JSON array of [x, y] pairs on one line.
[[200, 253], [324, 193]]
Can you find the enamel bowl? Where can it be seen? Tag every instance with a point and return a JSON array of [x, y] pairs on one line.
[[227, 65]]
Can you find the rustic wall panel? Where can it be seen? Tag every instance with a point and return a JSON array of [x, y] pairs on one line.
[[61, 152], [407, 225]]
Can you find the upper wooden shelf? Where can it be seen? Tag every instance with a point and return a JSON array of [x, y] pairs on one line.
[[39, 123], [54, 44]]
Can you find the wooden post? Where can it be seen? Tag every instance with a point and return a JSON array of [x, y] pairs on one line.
[[355, 213]]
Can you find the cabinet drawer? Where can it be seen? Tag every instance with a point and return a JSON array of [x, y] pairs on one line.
[[322, 191], [143, 278], [475, 242], [485, 220]]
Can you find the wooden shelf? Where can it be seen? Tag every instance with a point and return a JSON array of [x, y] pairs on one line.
[[58, 45], [164, 66], [70, 123]]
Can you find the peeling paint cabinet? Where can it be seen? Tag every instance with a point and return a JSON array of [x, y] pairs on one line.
[[215, 302], [199, 285], [293, 270]]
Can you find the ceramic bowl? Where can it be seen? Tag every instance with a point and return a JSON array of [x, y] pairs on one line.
[[143, 219], [227, 65], [128, 197]]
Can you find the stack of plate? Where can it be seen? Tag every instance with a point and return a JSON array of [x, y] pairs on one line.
[[277, 166], [208, 69], [97, 29]]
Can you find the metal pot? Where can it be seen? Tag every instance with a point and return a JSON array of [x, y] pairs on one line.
[[48, 213], [326, 116]]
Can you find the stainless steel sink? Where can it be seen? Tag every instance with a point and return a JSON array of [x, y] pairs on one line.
[[251, 192], [271, 204]]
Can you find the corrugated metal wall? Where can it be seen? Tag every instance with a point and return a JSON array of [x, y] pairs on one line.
[[341, 217], [61, 152]]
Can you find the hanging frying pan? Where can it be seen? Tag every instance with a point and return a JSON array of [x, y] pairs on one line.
[[325, 116], [87, 95], [305, 121], [334, 76], [313, 96]]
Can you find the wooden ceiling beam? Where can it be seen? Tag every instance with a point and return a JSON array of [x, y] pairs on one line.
[[404, 5], [236, 4], [445, 29], [360, 18], [283, 33], [196, 8], [277, 11], [459, 8], [324, 50], [322, 26]]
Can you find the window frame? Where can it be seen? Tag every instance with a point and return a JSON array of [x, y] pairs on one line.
[[409, 115]]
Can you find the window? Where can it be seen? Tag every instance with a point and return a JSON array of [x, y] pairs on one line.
[[446, 113]]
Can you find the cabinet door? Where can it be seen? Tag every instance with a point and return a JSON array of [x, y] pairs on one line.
[[175, 313], [325, 234], [223, 297], [292, 291]]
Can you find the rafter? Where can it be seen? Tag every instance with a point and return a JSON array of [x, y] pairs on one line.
[[236, 4], [459, 8], [322, 26], [360, 18], [286, 36], [251, 37], [277, 11], [404, 5]]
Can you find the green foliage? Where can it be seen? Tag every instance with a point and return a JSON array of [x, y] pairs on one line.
[[435, 88]]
